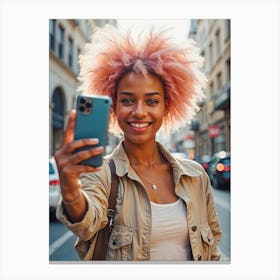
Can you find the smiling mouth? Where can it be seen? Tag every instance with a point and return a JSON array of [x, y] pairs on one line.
[[139, 125]]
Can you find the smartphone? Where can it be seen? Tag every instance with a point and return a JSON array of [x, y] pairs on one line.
[[92, 122]]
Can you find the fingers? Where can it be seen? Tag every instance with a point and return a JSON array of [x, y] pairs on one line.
[[80, 156], [64, 157], [69, 167], [78, 169], [77, 144], [69, 175], [70, 129]]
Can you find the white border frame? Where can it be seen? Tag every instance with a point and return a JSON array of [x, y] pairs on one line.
[[255, 138]]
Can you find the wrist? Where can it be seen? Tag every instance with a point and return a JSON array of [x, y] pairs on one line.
[[72, 198]]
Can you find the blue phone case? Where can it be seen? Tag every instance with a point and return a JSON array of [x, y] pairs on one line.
[[92, 122]]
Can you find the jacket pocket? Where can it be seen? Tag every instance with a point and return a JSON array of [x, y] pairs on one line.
[[207, 241], [120, 243]]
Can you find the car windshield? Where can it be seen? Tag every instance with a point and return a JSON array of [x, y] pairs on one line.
[[51, 169]]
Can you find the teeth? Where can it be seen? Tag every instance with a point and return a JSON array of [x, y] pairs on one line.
[[139, 124]]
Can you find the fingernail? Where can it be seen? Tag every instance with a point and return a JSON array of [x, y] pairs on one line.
[[99, 148], [95, 140]]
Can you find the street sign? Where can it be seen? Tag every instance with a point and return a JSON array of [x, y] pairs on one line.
[[214, 131]]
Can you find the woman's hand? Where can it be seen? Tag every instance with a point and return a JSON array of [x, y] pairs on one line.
[[69, 168]]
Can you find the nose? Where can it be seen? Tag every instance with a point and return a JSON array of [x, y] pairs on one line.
[[139, 110]]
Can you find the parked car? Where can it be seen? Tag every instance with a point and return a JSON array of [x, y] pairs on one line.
[[219, 170], [54, 187]]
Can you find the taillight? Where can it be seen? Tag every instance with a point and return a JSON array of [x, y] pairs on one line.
[[220, 167], [54, 183], [227, 168], [205, 165]]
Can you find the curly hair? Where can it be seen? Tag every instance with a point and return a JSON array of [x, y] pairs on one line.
[[112, 53]]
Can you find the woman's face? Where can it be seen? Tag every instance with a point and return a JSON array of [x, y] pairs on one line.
[[140, 107]]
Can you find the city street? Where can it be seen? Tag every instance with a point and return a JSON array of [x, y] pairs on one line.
[[222, 199], [62, 241]]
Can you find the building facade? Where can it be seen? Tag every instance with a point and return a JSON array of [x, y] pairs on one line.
[[212, 123], [67, 38]]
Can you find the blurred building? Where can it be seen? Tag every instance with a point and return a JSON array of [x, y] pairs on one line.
[[212, 123], [67, 38], [181, 141]]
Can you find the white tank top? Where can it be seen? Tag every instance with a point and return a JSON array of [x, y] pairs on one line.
[[169, 236]]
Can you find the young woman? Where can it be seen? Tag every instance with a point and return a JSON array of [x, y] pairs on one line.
[[165, 208]]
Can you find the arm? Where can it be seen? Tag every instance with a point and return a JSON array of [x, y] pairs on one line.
[[95, 188], [74, 200]]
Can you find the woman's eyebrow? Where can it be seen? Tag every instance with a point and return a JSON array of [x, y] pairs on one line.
[[126, 93], [146, 94], [152, 93]]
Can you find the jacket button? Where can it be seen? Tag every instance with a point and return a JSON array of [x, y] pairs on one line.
[[194, 228], [199, 258]]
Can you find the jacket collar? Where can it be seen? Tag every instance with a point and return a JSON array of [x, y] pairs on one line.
[[180, 166]]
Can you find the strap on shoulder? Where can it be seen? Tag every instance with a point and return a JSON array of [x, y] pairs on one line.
[[104, 234], [113, 193]]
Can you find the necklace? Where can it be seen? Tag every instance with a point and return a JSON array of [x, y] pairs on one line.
[[153, 185]]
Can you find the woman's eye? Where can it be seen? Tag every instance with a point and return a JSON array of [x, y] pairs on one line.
[[127, 101], [152, 101]]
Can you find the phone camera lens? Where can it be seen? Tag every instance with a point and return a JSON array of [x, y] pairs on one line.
[[82, 101], [88, 105], [82, 108]]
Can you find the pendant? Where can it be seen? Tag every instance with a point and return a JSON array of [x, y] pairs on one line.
[[154, 187]]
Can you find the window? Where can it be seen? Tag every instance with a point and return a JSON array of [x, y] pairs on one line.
[[51, 169], [211, 55], [70, 52], [219, 82], [218, 43], [228, 68], [78, 59], [228, 27], [61, 42], [52, 25]]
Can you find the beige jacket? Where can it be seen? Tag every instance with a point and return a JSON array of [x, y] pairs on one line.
[[130, 236]]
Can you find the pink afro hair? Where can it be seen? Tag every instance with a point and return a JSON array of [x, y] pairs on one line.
[[112, 54]]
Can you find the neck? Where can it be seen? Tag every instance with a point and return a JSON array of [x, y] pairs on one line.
[[146, 154]]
